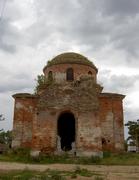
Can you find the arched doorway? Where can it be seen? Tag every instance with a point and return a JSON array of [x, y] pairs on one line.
[[66, 130]]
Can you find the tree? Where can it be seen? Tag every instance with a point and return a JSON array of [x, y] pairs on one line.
[[125, 145], [6, 137], [1, 117], [133, 131], [41, 81]]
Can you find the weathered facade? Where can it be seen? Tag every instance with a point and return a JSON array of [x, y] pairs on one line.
[[69, 112]]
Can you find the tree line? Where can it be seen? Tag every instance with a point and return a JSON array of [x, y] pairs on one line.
[[5, 136]]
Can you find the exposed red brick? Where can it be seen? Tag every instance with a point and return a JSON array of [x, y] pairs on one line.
[[98, 116]]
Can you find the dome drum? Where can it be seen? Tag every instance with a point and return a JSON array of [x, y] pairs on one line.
[[79, 64]]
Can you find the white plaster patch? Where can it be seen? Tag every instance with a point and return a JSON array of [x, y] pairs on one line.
[[97, 131], [118, 146], [60, 77], [18, 105], [66, 100], [35, 153], [16, 143], [109, 116], [31, 108], [83, 153]]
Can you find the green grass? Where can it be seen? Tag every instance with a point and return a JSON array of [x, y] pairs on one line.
[[23, 155], [50, 159], [26, 175], [121, 159], [47, 175]]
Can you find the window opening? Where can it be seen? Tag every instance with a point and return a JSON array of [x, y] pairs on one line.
[[69, 74]]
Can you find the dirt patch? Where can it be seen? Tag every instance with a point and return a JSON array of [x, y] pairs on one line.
[[99, 171]]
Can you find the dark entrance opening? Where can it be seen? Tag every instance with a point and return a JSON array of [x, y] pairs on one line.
[[66, 130]]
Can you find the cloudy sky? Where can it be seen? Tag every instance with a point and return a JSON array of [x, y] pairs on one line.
[[32, 32]]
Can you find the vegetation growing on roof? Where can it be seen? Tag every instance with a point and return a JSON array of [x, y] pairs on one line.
[[42, 82]]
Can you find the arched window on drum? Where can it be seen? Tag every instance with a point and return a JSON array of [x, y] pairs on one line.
[[50, 75], [69, 74], [90, 73]]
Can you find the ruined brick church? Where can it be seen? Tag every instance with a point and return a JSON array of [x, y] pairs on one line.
[[69, 112]]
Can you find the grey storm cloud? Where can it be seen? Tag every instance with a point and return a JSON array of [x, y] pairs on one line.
[[91, 23], [118, 83], [7, 36], [94, 24], [121, 7], [131, 114], [16, 83]]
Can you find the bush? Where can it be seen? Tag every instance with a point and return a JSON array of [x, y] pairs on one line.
[[21, 152], [82, 172], [95, 159], [106, 154]]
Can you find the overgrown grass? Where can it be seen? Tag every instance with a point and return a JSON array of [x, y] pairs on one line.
[[23, 155], [48, 175], [26, 175], [121, 159]]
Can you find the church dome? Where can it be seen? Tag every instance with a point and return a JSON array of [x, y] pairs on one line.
[[71, 58]]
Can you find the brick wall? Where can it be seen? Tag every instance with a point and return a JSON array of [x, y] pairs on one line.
[[59, 71], [98, 116], [111, 119], [24, 112]]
